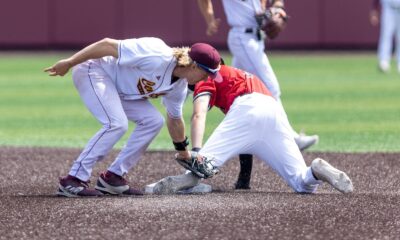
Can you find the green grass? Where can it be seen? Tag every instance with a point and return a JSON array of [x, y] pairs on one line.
[[341, 97]]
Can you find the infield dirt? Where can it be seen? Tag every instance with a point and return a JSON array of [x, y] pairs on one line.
[[29, 208]]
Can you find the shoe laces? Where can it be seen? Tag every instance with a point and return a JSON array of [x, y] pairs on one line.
[[85, 184]]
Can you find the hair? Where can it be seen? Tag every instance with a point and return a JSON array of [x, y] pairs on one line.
[[182, 56]]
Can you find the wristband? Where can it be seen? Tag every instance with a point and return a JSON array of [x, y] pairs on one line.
[[181, 146], [196, 149]]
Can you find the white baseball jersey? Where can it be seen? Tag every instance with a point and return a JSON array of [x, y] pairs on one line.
[[143, 70], [240, 13]]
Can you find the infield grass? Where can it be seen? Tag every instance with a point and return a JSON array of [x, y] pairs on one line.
[[341, 97]]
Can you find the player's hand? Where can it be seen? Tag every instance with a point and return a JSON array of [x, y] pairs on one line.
[[374, 18], [212, 26], [60, 68], [183, 154]]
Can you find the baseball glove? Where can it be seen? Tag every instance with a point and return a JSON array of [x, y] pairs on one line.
[[272, 22], [198, 165]]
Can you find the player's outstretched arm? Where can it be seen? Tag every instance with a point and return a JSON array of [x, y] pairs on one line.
[[198, 123], [102, 48]]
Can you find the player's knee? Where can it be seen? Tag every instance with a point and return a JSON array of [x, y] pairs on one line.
[[154, 122], [157, 121], [120, 126]]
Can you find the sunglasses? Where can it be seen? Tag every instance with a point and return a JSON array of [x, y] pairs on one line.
[[207, 69]]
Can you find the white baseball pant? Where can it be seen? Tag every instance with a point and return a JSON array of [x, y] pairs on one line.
[[256, 124], [390, 26], [100, 96]]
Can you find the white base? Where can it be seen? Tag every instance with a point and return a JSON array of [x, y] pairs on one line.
[[199, 188]]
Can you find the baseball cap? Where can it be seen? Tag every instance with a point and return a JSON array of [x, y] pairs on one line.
[[206, 57]]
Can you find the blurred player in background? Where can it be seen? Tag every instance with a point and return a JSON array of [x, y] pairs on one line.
[[246, 44], [389, 28], [115, 79]]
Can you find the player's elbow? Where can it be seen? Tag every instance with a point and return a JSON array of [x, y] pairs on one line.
[[196, 116], [110, 46]]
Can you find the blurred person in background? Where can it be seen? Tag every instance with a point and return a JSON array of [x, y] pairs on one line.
[[246, 44], [389, 28]]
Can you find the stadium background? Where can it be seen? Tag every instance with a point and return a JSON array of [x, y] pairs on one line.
[[55, 24]]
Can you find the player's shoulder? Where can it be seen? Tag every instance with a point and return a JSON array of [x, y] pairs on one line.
[[152, 52], [228, 71], [153, 40]]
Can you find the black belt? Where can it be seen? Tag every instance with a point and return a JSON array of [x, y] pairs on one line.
[[249, 30], [257, 31]]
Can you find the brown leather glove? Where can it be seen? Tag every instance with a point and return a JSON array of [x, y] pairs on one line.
[[272, 22]]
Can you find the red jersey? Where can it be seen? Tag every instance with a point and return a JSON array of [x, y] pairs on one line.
[[234, 83]]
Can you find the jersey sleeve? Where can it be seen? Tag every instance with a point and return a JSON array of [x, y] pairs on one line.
[[206, 88], [175, 99], [141, 52]]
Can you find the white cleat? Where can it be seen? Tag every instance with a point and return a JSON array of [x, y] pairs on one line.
[[384, 66], [303, 141], [327, 173], [173, 184]]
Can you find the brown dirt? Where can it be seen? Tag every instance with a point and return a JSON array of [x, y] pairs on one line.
[[270, 210]]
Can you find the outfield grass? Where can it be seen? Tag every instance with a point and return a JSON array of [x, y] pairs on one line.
[[341, 97]]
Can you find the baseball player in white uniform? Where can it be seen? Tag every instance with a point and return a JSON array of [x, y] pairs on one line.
[[115, 78], [390, 27]]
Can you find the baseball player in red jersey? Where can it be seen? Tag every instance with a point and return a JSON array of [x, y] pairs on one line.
[[254, 124]]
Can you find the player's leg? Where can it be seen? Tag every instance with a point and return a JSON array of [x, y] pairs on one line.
[[148, 124], [233, 134], [246, 165], [278, 149], [397, 40], [249, 55], [245, 160], [101, 98], [386, 37]]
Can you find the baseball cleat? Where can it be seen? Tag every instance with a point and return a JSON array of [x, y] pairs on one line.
[[71, 186], [384, 66], [199, 165], [113, 184], [303, 141], [174, 184], [327, 173]]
